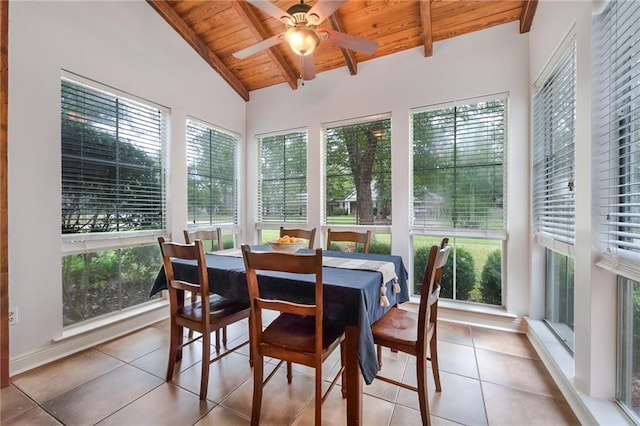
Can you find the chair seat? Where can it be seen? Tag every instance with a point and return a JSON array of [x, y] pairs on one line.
[[219, 307], [398, 328], [297, 333]]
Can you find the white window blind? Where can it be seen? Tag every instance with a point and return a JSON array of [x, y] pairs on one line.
[[112, 162], [212, 175], [554, 152], [458, 167], [282, 186], [616, 113], [358, 172]]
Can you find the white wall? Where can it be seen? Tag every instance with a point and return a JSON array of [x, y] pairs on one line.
[[482, 63], [125, 45], [595, 289]]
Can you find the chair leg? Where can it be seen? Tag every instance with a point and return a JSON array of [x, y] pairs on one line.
[[343, 357], [218, 341], [379, 349], [433, 349], [258, 377], [206, 357], [289, 372], [318, 398], [174, 343], [423, 398], [224, 336]]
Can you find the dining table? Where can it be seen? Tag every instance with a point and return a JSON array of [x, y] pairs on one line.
[[359, 289]]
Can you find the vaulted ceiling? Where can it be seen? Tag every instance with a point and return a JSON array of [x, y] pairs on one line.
[[216, 29]]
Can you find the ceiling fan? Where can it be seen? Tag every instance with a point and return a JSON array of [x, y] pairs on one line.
[[303, 35]]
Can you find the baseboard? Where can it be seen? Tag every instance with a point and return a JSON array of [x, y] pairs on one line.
[[559, 363], [66, 346]]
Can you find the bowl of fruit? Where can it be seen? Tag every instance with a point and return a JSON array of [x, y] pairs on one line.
[[286, 244]]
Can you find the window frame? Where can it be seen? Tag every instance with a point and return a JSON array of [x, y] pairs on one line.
[[76, 243]]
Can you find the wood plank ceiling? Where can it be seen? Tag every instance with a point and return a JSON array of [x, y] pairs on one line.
[[216, 29]]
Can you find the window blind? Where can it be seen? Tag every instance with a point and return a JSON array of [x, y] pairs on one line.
[[358, 172], [458, 167], [554, 152], [112, 162], [616, 113], [212, 175], [282, 186]]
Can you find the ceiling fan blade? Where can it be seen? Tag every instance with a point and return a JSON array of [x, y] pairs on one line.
[[308, 68], [271, 9], [264, 44], [323, 9], [348, 41]]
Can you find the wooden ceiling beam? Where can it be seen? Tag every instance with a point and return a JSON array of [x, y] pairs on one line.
[[526, 17], [425, 16], [349, 57], [252, 22], [182, 28]]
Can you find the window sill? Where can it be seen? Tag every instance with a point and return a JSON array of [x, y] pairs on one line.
[[109, 320], [559, 362]]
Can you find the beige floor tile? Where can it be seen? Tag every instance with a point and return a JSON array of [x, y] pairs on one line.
[[392, 369], [225, 376], [404, 416], [454, 333], [13, 403], [135, 345], [58, 377], [223, 416], [456, 358], [101, 397], [503, 341], [334, 410], [507, 406], [515, 371], [460, 400], [36, 416], [156, 361], [281, 403], [165, 405]]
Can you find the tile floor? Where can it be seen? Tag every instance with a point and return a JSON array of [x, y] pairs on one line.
[[488, 377]]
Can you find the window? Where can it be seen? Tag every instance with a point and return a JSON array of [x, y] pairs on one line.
[[212, 170], [628, 371], [616, 95], [282, 185], [554, 186], [458, 192], [358, 172], [112, 183], [559, 296]]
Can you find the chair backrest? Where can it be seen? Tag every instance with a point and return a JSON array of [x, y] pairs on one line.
[[430, 292], [195, 251], [363, 238], [307, 234], [213, 235], [283, 262]]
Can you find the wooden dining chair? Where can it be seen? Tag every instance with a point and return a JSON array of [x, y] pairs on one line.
[[363, 238], [307, 234], [208, 313], [214, 236], [412, 333], [299, 334]]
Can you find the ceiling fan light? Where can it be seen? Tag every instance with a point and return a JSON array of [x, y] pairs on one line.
[[302, 40]]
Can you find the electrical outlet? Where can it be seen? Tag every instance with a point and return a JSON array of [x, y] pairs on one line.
[[13, 316]]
